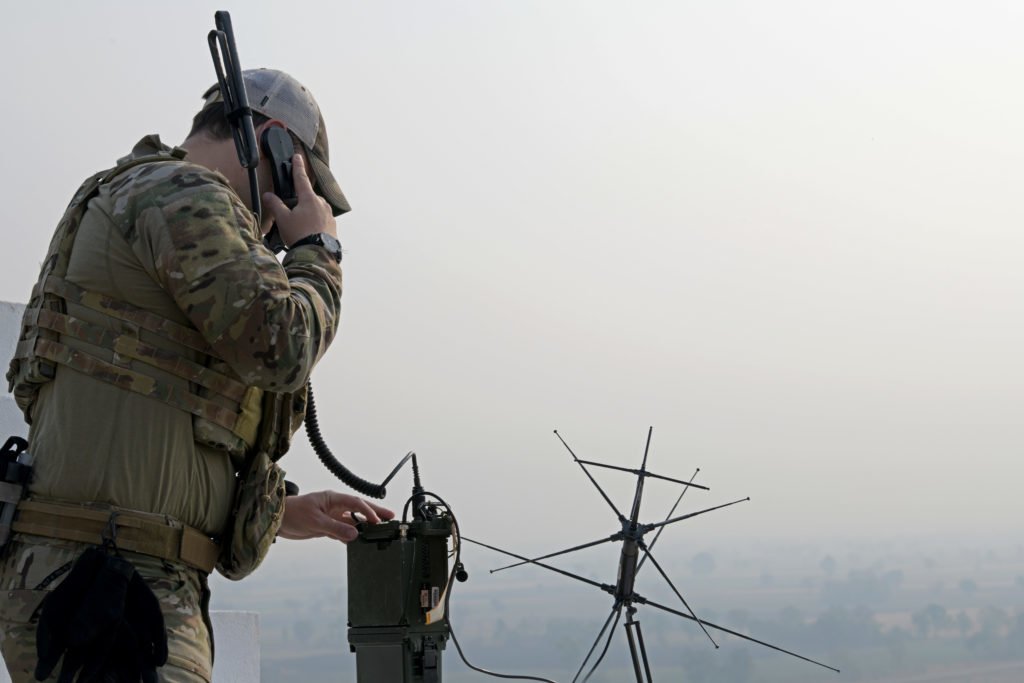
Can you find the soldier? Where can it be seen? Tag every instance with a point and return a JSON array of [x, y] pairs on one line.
[[162, 367]]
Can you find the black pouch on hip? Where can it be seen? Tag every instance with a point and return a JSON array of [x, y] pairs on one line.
[[104, 621]]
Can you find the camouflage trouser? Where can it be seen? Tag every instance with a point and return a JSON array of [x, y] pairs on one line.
[[183, 594]]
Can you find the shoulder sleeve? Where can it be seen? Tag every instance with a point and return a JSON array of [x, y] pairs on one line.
[[271, 322]]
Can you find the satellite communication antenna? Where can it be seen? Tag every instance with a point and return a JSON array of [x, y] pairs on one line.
[[632, 535]]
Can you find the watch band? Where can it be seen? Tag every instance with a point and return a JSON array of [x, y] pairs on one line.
[[321, 239]]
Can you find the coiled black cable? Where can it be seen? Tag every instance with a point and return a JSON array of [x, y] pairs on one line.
[[448, 587], [316, 440]]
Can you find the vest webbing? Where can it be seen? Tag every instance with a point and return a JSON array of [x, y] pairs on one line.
[[128, 345], [186, 336], [239, 413], [137, 382]]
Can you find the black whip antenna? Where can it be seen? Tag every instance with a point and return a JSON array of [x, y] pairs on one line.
[[236, 101], [634, 553]]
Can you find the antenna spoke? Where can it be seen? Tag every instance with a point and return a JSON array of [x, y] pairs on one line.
[[645, 601], [593, 481], [649, 527], [647, 553], [613, 537], [616, 610], [605, 587], [647, 448], [634, 515], [668, 516], [646, 474]]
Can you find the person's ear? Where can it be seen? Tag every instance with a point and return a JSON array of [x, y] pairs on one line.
[[272, 123]]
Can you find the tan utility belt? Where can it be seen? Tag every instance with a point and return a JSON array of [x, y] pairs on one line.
[[138, 532]]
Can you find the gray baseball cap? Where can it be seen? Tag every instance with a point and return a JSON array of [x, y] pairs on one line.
[[277, 95]]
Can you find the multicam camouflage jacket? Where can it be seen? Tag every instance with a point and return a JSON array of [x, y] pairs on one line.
[[156, 302]]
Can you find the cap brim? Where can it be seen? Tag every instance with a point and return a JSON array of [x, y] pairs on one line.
[[327, 186]]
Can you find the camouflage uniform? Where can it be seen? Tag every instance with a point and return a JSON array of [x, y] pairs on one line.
[[170, 238], [182, 592]]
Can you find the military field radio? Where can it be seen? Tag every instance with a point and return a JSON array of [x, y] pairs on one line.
[[398, 589]]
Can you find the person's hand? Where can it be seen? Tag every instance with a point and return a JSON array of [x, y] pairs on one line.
[[328, 513], [312, 214]]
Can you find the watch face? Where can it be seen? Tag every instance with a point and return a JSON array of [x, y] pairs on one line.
[[332, 245], [331, 242]]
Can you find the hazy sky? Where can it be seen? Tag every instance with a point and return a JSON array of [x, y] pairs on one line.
[[786, 234]]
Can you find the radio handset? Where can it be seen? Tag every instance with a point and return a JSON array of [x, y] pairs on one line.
[[276, 143]]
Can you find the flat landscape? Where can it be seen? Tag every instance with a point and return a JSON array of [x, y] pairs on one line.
[[887, 612]]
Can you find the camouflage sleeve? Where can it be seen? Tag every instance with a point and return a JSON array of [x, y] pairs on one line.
[[271, 322]]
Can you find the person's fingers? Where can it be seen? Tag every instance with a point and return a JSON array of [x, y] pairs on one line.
[[303, 188], [382, 512], [360, 505], [323, 523], [274, 204], [340, 531], [351, 509]]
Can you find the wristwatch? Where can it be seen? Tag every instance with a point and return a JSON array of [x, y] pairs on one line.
[[321, 239]]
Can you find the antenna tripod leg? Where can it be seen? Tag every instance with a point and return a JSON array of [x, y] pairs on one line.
[[633, 625]]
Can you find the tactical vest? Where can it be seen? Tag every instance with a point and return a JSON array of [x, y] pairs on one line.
[[254, 426], [226, 414]]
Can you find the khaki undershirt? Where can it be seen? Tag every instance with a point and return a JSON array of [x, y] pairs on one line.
[[95, 442]]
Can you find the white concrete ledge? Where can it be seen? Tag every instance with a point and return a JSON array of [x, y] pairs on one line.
[[237, 641], [11, 421]]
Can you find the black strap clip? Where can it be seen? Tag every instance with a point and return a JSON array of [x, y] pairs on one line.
[[110, 533]]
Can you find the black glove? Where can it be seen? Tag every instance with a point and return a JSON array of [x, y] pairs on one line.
[[105, 621], [141, 638]]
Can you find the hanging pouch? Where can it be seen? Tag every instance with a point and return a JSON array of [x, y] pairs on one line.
[[259, 508], [260, 492]]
